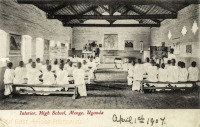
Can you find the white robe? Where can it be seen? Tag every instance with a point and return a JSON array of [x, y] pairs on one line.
[[152, 72], [39, 66], [162, 77], [182, 77], [33, 76], [146, 66], [8, 79], [55, 68], [172, 72], [66, 66], [44, 68], [20, 75], [130, 75], [62, 77], [138, 76], [28, 66], [79, 75], [193, 74], [87, 72], [49, 79], [93, 67], [70, 71]]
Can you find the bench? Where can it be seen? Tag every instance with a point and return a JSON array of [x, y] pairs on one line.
[[142, 87], [74, 86]]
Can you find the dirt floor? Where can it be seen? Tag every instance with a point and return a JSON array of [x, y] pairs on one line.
[[110, 91]]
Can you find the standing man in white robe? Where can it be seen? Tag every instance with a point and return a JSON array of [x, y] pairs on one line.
[[92, 67], [79, 75], [8, 79], [138, 75], [131, 73]]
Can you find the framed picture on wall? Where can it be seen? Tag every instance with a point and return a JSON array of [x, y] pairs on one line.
[[100, 45], [128, 43], [188, 48], [110, 41], [46, 46], [15, 44]]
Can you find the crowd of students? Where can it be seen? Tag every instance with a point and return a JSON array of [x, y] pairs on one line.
[[169, 72], [74, 70]]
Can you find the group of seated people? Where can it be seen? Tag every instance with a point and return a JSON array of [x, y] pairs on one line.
[[64, 73], [169, 72]]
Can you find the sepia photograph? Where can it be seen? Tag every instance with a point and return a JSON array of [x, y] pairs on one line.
[[100, 63]]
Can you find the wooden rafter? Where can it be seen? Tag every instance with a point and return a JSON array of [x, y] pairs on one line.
[[111, 25], [99, 16], [166, 8], [109, 2], [134, 10], [57, 9], [124, 13], [82, 13]]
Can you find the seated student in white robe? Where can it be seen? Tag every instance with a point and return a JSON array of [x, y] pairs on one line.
[[74, 60], [70, 69], [162, 73], [28, 66], [55, 67], [152, 72], [20, 76], [173, 72], [49, 78], [146, 64], [183, 74], [168, 64], [79, 59], [88, 59], [193, 73], [38, 64], [33, 75], [8, 79], [66, 64], [44, 67], [138, 75], [92, 67], [131, 73], [79, 75], [62, 76]]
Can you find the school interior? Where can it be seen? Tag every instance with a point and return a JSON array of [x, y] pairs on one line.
[[93, 54]]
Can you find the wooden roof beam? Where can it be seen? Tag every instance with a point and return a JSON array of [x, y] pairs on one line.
[[114, 17], [111, 25], [109, 2]]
